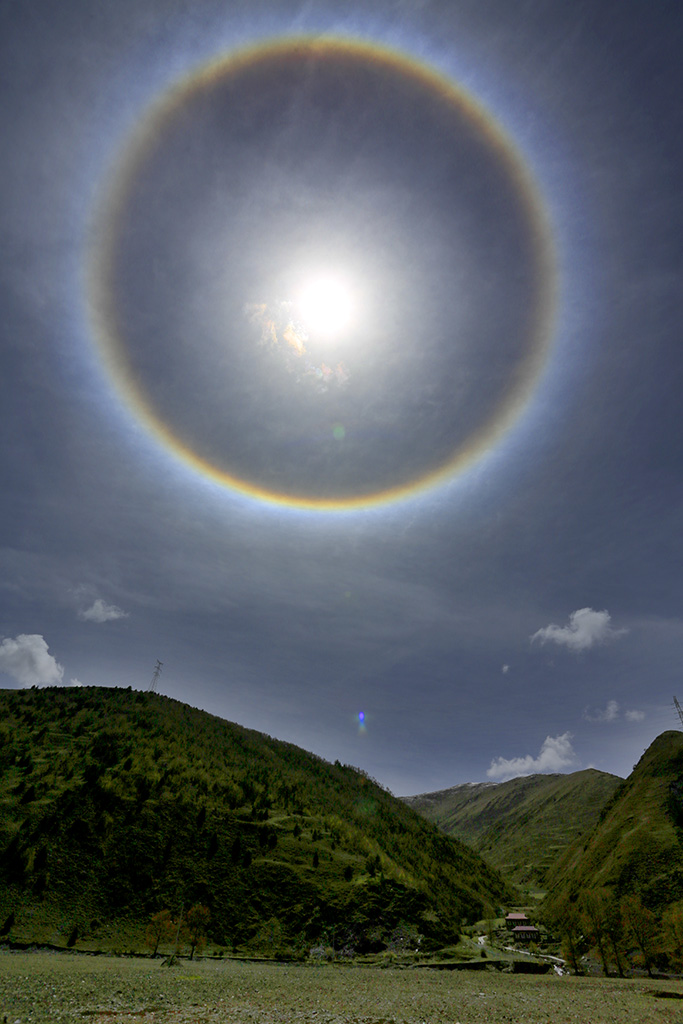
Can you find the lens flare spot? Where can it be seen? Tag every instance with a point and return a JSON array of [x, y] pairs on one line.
[[339, 434]]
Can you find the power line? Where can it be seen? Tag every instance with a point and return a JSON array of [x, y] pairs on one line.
[[155, 676]]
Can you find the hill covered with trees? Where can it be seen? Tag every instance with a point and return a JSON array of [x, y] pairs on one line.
[[522, 826], [117, 805], [623, 880], [636, 846]]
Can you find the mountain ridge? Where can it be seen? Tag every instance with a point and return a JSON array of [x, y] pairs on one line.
[[522, 825]]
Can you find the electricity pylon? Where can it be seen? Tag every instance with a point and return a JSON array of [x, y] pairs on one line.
[[155, 676], [679, 709]]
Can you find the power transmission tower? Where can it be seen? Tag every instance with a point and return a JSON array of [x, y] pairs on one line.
[[155, 676], [679, 709]]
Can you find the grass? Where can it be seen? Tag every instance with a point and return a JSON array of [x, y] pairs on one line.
[[42, 987]]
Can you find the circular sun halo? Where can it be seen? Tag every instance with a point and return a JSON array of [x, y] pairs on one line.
[[371, 470], [326, 305]]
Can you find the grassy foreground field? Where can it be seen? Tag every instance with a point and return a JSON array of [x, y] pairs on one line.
[[43, 987]]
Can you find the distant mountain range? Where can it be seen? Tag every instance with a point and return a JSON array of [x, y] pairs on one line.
[[607, 852], [116, 804], [522, 826]]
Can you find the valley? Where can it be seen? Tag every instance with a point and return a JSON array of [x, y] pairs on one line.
[[133, 824]]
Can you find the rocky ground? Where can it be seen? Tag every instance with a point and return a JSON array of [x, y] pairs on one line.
[[59, 988]]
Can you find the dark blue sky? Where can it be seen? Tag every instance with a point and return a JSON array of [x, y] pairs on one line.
[[420, 613]]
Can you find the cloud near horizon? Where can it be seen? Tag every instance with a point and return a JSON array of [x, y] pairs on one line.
[[100, 611], [556, 754], [587, 628], [27, 660]]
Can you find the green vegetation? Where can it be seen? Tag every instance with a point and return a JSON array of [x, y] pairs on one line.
[[619, 889], [608, 851], [117, 806], [523, 826], [636, 847]]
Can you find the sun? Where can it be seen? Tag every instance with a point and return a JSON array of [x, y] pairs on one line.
[[327, 306]]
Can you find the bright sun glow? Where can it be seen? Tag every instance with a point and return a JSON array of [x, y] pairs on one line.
[[326, 305]]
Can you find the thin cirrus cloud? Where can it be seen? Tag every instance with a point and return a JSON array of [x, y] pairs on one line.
[[27, 660], [100, 611], [555, 755], [586, 628], [612, 713]]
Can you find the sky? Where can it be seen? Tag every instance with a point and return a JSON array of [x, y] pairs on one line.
[[341, 371]]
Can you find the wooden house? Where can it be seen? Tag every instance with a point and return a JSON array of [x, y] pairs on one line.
[[516, 921]]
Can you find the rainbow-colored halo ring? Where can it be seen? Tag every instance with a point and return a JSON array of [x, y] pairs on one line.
[[293, 157]]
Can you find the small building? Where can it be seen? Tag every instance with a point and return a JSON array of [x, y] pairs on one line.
[[526, 933], [516, 921]]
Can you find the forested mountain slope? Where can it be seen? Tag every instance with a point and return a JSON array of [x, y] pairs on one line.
[[524, 825], [636, 847], [116, 804]]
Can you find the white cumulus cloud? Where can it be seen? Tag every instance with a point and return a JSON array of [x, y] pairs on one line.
[[555, 754], [635, 716], [27, 659], [100, 611], [586, 629]]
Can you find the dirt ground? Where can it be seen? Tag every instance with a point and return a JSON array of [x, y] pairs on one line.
[[53, 987]]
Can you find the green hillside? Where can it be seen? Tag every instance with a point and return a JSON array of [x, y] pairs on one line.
[[524, 825], [636, 847], [116, 804]]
